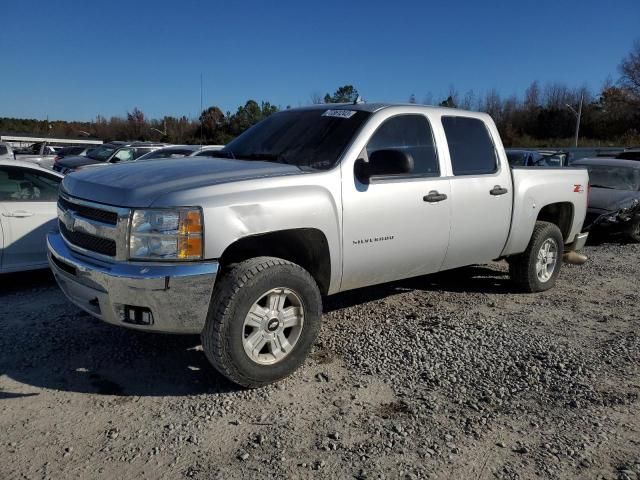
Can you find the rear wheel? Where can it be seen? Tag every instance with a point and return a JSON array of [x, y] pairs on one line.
[[537, 268], [264, 317]]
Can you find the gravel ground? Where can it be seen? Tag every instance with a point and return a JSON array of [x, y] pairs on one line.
[[447, 376]]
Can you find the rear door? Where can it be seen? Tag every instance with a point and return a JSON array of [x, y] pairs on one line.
[[481, 196], [27, 212], [391, 230]]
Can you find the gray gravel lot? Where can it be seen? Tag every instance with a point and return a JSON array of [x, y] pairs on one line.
[[446, 376]]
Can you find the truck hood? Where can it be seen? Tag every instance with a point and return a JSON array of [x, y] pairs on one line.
[[609, 200], [138, 184]]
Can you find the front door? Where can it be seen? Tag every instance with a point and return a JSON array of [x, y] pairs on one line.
[[27, 212], [396, 226]]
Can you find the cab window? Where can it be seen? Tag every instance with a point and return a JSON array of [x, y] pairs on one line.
[[470, 146], [411, 134]]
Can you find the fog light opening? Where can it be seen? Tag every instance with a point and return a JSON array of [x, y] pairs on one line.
[[137, 315]]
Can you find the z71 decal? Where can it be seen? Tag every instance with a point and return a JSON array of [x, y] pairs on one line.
[[578, 188]]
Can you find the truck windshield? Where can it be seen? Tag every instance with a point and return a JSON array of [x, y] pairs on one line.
[[102, 153], [617, 178], [306, 138]]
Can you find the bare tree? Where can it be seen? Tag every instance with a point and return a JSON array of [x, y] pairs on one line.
[[468, 101], [493, 104], [532, 96], [556, 95], [316, 98], [630, 70]]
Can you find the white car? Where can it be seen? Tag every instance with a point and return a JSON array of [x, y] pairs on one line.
[[6, 153], [28, 211], [180, 151]]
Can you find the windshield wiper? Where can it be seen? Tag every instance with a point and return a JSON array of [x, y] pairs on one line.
[[602, 186]]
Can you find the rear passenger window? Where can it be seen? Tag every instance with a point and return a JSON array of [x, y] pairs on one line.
[[470, 146], [411, 134]]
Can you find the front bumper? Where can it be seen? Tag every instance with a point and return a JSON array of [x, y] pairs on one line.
[[176, 295]]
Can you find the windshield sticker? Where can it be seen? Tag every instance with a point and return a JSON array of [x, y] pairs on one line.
[[339, 113]]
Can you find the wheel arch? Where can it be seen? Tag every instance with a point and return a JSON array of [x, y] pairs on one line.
[[307, 247], [560, 214]]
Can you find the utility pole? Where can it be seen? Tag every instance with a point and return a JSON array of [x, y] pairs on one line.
[[578, 115], [201, 131]]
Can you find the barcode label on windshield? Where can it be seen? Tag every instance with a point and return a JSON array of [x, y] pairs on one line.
[[339, 113]]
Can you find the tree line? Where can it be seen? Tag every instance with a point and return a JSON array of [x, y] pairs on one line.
[[544, 115]]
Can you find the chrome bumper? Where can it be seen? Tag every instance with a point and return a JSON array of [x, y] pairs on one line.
[[177, 296], [578, 243]]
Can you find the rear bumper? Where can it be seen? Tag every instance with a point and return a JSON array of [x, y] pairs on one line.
[[578, 242], [176, 296]]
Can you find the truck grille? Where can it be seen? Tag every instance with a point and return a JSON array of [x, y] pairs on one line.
[[100, 245], [94, 227], [89, 212]]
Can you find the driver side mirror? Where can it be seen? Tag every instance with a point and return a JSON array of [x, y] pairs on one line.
[[383, 163]]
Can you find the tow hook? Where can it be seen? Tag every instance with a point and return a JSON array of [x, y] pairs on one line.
[[574, 258]]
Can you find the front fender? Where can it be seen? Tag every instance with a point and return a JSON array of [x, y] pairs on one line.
[[240, 209]]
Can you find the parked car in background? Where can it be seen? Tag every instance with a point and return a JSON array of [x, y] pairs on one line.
[[178, 151], [173, 151], [41, 154], [629, 154], [28, 196], [309, 202], [614, 201], [522, 158], [207, 151], [554, 158], [537, 158], [6, 152], [76, 150], [106, 153]]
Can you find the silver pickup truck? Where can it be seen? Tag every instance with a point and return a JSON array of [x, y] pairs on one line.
[[309, 202]]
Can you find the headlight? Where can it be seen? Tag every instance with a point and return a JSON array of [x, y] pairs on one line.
[[166, 234]]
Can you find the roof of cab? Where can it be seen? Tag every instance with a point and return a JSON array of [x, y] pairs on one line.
[[375, 107]]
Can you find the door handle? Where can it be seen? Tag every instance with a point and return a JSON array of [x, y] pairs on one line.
[[18, 214], [434, 196], [498, 190]]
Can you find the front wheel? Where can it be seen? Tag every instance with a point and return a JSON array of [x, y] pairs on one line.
[[537, 268], [264, 317]]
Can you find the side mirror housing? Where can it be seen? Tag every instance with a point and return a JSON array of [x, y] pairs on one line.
[[383, 163]]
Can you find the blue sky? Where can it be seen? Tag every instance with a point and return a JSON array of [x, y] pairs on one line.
[[76, 59]]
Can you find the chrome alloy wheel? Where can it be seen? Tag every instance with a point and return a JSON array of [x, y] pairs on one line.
[[273, 326], [547, 260]]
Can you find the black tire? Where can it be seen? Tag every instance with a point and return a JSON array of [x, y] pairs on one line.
[[234, 294], [633, 233], [522, 267]]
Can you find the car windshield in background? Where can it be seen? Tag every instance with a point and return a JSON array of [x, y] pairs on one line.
[[102, 153], [175, 153], [617, 178], [306, 138]]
